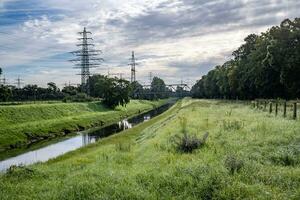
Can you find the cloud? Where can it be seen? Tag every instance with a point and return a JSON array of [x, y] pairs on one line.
[[171, 38]]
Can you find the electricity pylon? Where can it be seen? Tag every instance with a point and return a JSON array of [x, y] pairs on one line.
[[87, 58], [133, 64], [19, 82]]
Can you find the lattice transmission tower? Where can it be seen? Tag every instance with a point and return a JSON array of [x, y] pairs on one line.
[[19, 82], [87, 58], [133, 64]]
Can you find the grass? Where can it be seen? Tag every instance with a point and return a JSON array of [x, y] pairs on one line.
[[24, 124], [248, 155]]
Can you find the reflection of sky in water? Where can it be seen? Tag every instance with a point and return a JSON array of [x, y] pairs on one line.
[[43, 154], [60, 148]]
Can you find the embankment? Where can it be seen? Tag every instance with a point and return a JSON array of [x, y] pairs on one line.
[[25, 124]]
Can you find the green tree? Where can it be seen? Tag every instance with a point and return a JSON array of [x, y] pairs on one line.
[[159, 89], [137, 91], [5, 93], [116, 92]]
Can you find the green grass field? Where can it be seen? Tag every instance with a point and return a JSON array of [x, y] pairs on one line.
[[23, 124], [249, 154]]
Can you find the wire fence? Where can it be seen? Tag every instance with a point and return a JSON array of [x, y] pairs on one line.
[[286, 109]]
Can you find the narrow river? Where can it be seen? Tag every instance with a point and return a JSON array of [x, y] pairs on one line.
[[80, 139]]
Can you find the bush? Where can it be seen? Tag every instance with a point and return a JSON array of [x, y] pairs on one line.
[[233, 164], [232, 125], [287, 156], [187, 143]]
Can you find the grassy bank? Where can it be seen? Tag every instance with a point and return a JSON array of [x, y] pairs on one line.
[[248, 155], [24, 124]]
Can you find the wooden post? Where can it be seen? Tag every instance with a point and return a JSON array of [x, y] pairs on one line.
[[284, 109], [257, 104], [295, 111], [265, 106], [270, 110], [276, 108]]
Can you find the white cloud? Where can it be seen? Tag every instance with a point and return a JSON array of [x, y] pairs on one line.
[[162, 32]]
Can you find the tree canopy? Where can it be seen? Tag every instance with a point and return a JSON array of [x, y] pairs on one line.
[[265, 66]]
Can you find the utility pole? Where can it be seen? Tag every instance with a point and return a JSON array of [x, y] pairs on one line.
[[19, 82], [87, 58], [133, 64]]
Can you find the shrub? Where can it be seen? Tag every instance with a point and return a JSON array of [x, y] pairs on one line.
[[289, 156], [187, 143], [233, 164], [232, 125]]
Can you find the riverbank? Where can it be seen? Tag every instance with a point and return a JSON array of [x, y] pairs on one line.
[[248, 155], [25, 124]]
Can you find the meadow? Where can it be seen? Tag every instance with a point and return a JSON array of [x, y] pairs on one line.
[[248, 154], [24, 124]]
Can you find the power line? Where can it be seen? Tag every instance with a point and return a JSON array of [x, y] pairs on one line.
[[87, 58]]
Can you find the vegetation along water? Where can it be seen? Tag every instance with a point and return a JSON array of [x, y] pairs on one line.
[[247, 154]]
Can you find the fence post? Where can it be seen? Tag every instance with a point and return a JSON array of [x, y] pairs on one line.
[[284, 109], [265, 106], [295, 111], [257, 104], [276, 108], [270, 110]]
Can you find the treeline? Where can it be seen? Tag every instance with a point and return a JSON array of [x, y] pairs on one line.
[[265, 66], [112, 91]]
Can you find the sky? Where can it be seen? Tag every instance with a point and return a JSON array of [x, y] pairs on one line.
[[174, 39]]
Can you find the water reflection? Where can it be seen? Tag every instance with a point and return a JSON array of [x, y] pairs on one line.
[[81, 139]]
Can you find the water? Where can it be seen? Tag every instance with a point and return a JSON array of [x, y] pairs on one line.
[[79, 140]]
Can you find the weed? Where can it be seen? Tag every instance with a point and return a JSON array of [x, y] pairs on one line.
[[233, 164], [287, 157], [232, 125], [187, 143], [183, 124], [22, 172], [123, 147], [228, 113]]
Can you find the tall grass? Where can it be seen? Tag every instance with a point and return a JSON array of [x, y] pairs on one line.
[[259, 160], [23, 124]]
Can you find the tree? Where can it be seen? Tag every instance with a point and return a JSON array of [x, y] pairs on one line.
[[70, 90], [158, 89], [116, 92], [5, 93], [97, 85], [137, 91], [265, 66]]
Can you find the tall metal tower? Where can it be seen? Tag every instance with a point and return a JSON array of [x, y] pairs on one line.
[[87, 58], [3, 81], [133, 64], [19, 82], [150, 77]]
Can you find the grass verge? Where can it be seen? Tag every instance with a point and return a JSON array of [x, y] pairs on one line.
[[25, 124], [248, 155]]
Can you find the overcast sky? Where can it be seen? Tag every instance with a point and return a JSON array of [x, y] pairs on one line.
[[174, 39]]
